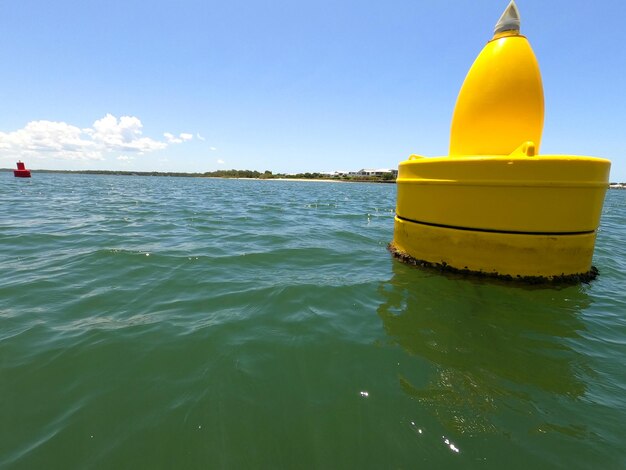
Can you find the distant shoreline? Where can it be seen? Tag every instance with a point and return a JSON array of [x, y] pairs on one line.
[[259, 176], [230, 174]]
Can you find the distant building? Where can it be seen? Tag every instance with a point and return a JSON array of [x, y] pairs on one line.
[[377, 172], [337, 173]]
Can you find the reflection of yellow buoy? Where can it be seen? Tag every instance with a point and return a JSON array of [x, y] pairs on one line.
[[493, 205]]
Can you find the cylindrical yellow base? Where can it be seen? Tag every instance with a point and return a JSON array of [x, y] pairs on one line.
[[496, 253]]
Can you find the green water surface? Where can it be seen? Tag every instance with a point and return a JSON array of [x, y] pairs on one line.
[[202, 323]]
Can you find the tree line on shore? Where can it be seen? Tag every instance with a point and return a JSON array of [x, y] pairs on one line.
[[253, 174]]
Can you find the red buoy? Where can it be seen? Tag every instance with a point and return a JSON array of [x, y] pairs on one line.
[[21, 171]]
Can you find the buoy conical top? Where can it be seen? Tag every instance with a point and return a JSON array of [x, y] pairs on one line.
[[500, 105], [21, 171], [509, 21]]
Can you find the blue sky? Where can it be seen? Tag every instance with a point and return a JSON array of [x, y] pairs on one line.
[[287, 86]]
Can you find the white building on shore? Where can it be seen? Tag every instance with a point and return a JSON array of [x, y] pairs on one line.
[[376, 172]]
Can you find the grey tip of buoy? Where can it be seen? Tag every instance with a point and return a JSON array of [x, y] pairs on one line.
[[509, 21]]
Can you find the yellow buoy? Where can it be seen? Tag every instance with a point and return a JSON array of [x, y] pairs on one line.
[[493, 205]]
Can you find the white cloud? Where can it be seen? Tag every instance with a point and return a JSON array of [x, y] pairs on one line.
[[213, 149], [172, 139], [200, 137], [124, 135], [49, 139], [220, 162], [60, 140], [125, 158]]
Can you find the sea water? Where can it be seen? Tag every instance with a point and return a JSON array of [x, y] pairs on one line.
[[151, 322]]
